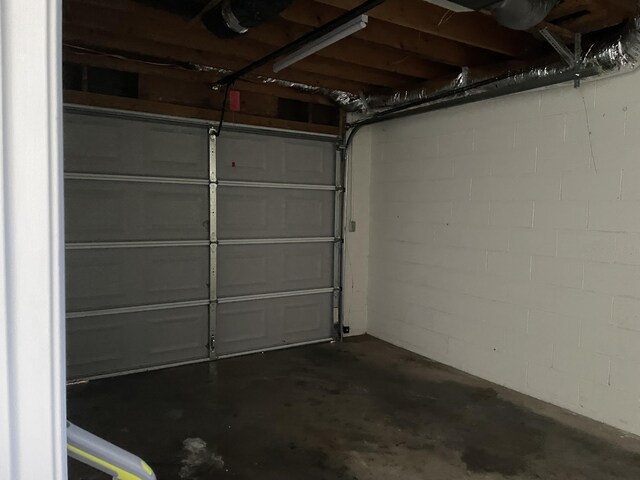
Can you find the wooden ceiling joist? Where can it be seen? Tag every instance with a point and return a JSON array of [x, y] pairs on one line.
[[407, 44], [379, 32], [167, 28], [256, 86], [586, 16], [568, 7], [108, 41], [353, 50], [473, 29], [629, 8]]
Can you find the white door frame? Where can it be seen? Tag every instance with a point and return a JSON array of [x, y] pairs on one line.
[[32, 360]]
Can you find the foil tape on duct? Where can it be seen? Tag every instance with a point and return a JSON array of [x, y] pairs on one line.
[[344, 99], [350, 101], [622, 54]]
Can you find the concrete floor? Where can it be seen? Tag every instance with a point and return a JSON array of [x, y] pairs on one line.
[[358, 410]]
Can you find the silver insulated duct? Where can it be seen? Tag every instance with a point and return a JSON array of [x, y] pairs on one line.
[[231, 18], [620, 54], [514, 14], [521, 14]]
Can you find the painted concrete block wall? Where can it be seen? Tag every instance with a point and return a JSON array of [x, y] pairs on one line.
[[505, 241], [356, 264]]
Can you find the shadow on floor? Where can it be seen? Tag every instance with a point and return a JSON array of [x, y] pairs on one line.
[[358, 410]]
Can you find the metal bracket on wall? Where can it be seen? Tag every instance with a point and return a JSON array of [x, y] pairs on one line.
[[572, 58], [577, 54]]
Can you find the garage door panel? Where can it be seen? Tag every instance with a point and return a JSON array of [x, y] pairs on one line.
[[242, 271], [258, 269], [95, 344], [177, 274], [245, 324], [264, 158], [246, 157], [94, 279], [93, 144], [176, 151], [111, 145], [307, 213], [176, 213], [245, 212], [305, 318], [177, 334], [257, 324], [137, 230], [241, 210], [121, 342], [94, 210], [119, 277], [309, 162], [138, 212], [101, 211]]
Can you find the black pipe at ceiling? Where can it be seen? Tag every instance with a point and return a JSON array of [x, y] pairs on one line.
[[514, 14], [231, 18], [522, 14], [296, 44]]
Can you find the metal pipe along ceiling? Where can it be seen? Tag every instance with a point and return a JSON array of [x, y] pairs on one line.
[[231, 18], [617, 56]]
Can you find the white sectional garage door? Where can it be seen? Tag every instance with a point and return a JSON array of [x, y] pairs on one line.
[[137, 234], [182, 247], [276, 233]]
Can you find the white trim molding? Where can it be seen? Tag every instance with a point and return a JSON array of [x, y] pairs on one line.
[[32, 361]]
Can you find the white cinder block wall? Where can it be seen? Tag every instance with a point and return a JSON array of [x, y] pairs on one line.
[[505, 241], [356, 261]]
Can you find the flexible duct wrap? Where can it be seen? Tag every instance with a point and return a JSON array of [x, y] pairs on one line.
[[618, 55]]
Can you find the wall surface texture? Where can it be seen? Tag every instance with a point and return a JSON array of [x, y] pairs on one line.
[[356, 279], [505, 241]]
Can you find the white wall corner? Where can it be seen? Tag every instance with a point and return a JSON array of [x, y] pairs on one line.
[[356, 280], [505, 242]]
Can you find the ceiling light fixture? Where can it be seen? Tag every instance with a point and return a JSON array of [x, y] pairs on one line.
[[324, 41]]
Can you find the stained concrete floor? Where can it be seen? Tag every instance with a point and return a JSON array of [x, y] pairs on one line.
[[359, 410]]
